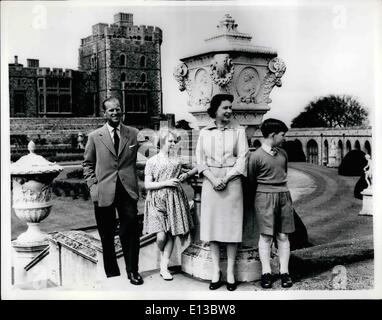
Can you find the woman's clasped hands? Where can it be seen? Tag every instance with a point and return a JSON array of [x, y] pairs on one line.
[[219, 184]]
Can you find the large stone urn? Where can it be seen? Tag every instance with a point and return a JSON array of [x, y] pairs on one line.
[[32, 176], [229, 63]]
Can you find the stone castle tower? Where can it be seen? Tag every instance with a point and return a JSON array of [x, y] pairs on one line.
[[125, 59]]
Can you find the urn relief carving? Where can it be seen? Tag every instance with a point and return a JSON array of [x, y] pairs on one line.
[[248, 84], [202, 89], [180, 75], [276, 69], [222, 69]]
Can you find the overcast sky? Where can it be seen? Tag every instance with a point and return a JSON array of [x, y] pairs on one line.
[[328, 47]]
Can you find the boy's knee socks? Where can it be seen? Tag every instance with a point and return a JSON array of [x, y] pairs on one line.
[[265, 256], [284, 253]]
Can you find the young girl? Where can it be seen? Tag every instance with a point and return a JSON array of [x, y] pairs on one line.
[[166, 211]]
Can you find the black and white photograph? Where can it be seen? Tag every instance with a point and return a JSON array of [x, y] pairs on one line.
[[190, 150]]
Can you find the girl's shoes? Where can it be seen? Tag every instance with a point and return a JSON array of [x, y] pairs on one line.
[[166, 275]]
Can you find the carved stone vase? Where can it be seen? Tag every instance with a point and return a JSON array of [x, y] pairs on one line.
[[230, 63], [32, 176]]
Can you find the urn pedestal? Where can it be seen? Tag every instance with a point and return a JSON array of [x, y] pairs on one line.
[[367, 202], [32, 176], [332, 162], [196, 258]]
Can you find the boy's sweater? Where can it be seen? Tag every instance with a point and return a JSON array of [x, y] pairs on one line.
[[269, 172]]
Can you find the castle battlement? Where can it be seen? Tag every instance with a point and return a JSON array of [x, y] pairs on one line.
[[141, 31], [123, 27], [57, 72]]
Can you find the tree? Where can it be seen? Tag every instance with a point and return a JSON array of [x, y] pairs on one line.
[[332, 111]]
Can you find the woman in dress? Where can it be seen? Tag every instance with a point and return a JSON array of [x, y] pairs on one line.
[[221, 155], [166, 210]]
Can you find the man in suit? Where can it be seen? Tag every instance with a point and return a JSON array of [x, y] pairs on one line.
[[110, 172]]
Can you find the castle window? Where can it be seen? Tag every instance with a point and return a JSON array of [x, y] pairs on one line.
[[143, 77], [93, 62], [65, 83], [51, 83], [142, 61], [51, 103], [122, 60], [40, 83], [139, 37], [19, 102], [41, 103], [64, 101], [123, 76], [135, 102]]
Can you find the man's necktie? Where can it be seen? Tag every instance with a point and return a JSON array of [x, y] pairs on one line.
[[116, 140], [274, 151]]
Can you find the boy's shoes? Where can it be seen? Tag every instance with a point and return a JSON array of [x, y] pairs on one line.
[[286, 280], [266, 281]]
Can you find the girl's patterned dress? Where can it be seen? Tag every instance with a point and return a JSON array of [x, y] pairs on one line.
[[166, 209]]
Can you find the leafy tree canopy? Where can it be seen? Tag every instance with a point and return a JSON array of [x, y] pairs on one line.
[[330, 112]]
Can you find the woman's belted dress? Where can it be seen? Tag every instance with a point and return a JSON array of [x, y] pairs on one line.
[[224, 152]]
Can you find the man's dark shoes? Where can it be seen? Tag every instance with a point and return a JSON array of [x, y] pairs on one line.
[[266, 281], [286, 280], [218, 284], [135, 278]]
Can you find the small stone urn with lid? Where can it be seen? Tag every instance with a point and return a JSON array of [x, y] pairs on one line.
[[32, 176]]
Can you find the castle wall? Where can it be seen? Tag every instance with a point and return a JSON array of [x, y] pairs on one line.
[[22, 86], [100, 76], [330, 142]]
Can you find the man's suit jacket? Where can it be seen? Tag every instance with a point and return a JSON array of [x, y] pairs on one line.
[[102, 166]]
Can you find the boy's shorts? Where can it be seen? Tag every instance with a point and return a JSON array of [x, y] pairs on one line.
[[274, 212]]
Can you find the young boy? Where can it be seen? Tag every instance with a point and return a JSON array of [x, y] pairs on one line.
[[268, 166]]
